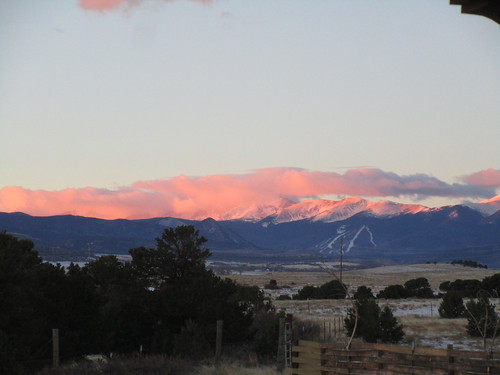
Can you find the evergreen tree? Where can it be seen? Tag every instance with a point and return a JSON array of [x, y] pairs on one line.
[[330, 290], [392, 331], [179, 254], [363, 292], [452, 305], [481, 317], [419, 288], [491, 284], [394, 292], [373, 324]]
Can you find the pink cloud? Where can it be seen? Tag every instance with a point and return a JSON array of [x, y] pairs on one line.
[[104, 5], [489, 177], [227, 196], [108, 5]]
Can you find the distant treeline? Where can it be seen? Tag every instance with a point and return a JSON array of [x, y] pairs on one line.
[[414, 288], [469, 263]]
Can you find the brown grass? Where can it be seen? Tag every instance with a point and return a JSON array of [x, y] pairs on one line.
[[233, 368], [159, 365], [374, 278], [146, 365], [424, 329]]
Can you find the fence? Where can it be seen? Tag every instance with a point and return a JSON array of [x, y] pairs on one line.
[[312, 358]]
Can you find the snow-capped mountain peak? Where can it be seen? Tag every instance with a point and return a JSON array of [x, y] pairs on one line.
[[285, 210], [388, 208], [486, 207]]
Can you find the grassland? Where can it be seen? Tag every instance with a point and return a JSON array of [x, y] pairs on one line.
[[419, 317], [375, 278]]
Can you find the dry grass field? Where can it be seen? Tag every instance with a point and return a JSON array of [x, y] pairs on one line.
[[236, 368], [375, 278], [420, 317]]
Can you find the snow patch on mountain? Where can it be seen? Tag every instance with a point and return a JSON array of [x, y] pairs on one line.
[[342, 210], [285, 210], [304, 210], [353, 239], [256, 213], [348, 237], [388, 208]]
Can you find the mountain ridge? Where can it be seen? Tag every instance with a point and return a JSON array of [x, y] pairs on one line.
[[385, 231]]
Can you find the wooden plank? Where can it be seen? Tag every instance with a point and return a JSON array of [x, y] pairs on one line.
[[310, 344], [298, 371], [300, 351], [306, 360], [311, 356], [415, 370]]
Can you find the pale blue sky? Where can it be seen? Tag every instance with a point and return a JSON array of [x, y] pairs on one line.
[[103, 99]]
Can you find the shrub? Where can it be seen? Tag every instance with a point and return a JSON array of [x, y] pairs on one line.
[[144, 365], [452, 306], [373, 324], [481, 317], [265, 332], [330, 290], [469, 263], [363, 292], [307, 292], [466, 288], [273, 284], [419, 288], [492, 284], [393, 292], [190, 342], [284, 297], [391, 331]]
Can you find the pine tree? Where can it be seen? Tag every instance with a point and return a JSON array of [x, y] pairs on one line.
[[392, 331], [373, 324], [452, 306], [481, 317]]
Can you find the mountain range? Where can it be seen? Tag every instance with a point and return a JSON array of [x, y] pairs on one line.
[[371, 232]]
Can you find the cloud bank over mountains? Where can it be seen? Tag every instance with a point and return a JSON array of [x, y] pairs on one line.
[[233, 196], [489, 177]]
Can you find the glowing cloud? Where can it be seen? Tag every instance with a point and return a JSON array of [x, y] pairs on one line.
[[228, 196], [489, 177], [108, 5]]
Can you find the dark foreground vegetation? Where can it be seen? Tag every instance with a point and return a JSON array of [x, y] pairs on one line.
[[164, 305], [132, 365], [162, 302]]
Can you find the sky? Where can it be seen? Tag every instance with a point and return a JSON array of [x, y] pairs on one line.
[[145, 108]]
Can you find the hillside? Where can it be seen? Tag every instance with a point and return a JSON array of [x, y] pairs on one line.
[[381, 233]]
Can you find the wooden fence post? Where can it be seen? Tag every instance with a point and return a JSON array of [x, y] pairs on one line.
[[413, 346], [280, 358], [218, 342], [380, 355], [55, 347], [451, 358]]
